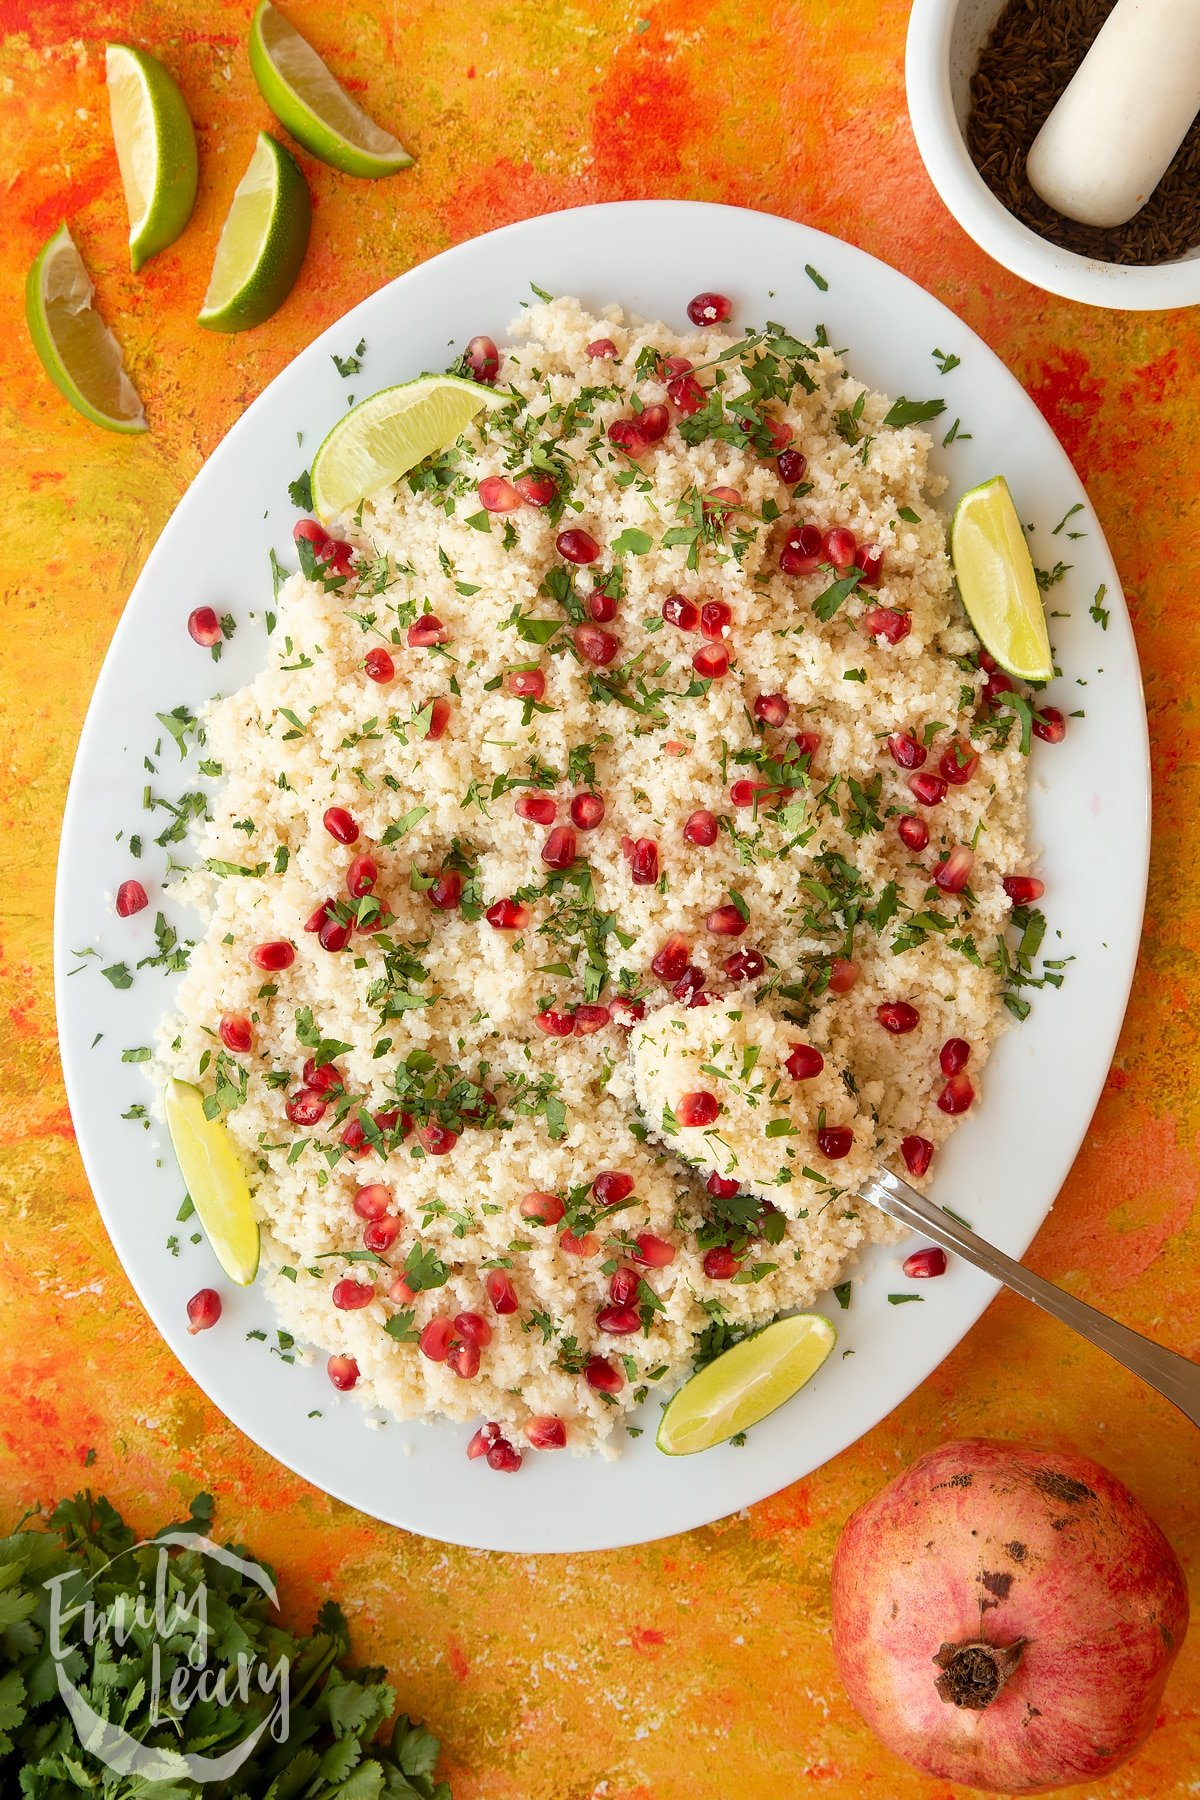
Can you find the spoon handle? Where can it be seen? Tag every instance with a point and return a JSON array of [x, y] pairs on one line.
[[1174, 1376]]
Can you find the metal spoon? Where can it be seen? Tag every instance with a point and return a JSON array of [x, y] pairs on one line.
[[1174, 1376]]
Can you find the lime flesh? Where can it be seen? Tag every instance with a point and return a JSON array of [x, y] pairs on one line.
[[156, 149], [315, 108], [76, 348], [262, 242], [998, 583], [215, 1180], [382, 438], [745, 1384]]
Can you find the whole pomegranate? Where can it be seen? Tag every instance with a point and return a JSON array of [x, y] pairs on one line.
[[1005, 1615]]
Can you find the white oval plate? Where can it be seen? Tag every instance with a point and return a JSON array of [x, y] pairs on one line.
[[1091, 793]]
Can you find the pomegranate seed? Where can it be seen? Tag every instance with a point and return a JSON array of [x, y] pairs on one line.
[[500, 1291], [439, 718], [554, 1024], [623, 1286], [322, 1076], [996, 684], [612, 1186], [905, 750], [686, 393], [601, 606], [792, 466], [546, 1434], [381, 1234], [203, 1310], [808, 743], [804, 1062], [464, 1359], [898, 1017], [654, 422], [680, 612], [481, 360], [800, 553], [842, 975], [744, 965], [655, 1252], [643, 863], [594, 645], [1049, 725], [484, 1438], [930, 790], [343, 1372], [835, 1141], [1023, 890], [720, 1264], [426, 631], [885, 622], [558, 851], [547, 1209], [839, 547], [870, 561], [577, 546], [672, 959], [690, 987], [446, 891], [958, 763], [602, 347], [352, 1296], [587, 810], [725, 921], [361, 876], [696, 1109], [503, 1457], [333, 934], [602, 1375], [379, 665], [719, 502], [709, 309], [589, 1018], [435, 1139], [340, 825], [711, 661], [923, 1264], [625, 1011], [373, 1201], [587, 1245], [628, 437], [525, 684], [953, 875], [274, 956], [722, 1185], [917, 1153], [913, 832], [957, 1095], [619, 1321], [316, 919], [235, 1033], [954, 1055], [715, 617], [539, 809], [537, 490], [435, 1339], [507, 915], [771, 709], [701, 827], [306, 1106], [131, 898], [777, 431], [496, 495], [309, 529], [204, 627]]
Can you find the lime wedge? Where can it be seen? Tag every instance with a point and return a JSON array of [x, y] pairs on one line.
[[745, 1384], [156, 149], [262, 242], [314, 107], [382, 438], [997, 581], [215, 1180], [77, 350]]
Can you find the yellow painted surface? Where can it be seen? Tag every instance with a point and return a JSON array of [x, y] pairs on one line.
[[699, 1666]]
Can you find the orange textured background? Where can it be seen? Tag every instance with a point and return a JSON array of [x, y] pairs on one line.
[[699, 1666]]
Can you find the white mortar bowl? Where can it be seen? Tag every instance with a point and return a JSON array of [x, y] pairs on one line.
[[945, 38]]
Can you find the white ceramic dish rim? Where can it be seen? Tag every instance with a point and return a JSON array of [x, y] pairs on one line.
[[561, 1504], [929, 85]]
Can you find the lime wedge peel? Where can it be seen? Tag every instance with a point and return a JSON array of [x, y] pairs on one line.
[[156, 149], [998, 583], [313, 106], [262, 242], [744, 1384], [382, 438], [215, 1180], [75, 346]]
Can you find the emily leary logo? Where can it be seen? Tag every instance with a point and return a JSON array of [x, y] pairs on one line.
[[171, 1619]]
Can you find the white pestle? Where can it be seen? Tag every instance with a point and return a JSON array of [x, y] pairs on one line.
[[1109, 141]]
